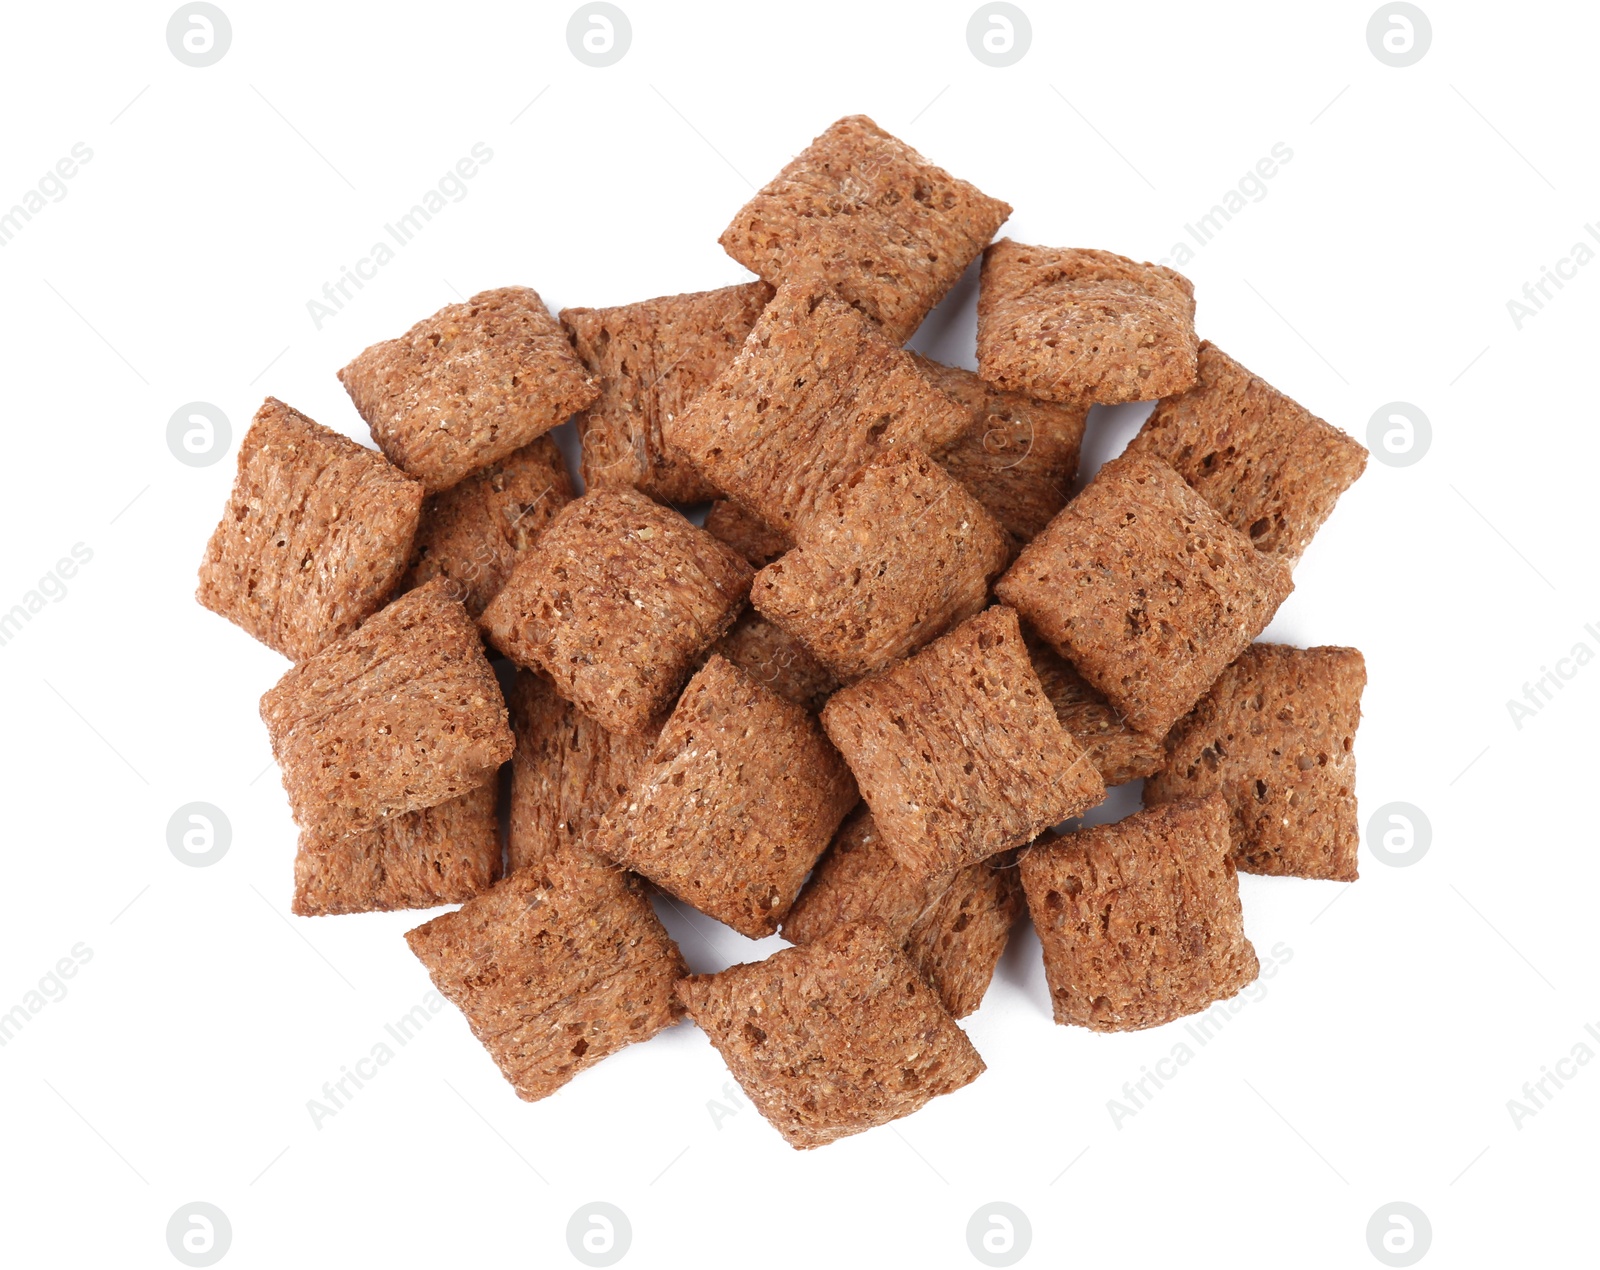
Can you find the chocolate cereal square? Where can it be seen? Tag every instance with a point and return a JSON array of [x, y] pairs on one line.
[[558, 966], [954, 934], [777, 660], [746, 533], [863, 213], [815, 392], [739, 798], [897, 555], [1140, 920], [468, 385], [1117, 751], [1018, 456], [472, 533], [315, 536], [834, 1037], [402, 713], [439, 855], [1067, 324], [616, 603], [1145, 589], [1275, 738], [566, 773], [651, 360], [1266, 463], [958, 751]]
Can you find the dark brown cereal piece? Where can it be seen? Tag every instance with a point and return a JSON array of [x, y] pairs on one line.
[[1018, 456], [834, 1037], [1271, 467], [617, 602], [651, 359], [468, 385], [566, 772], [473, 532], [739, 798], [775, 658], [894, 557], [400, 714], [1067, 324], [1145, 589], [814, 393], [1120, 753], [746, 533], [954, 934], [1275, 738], [556, 967], [315, 535], [958, 751], [1140, 920], [438, 855], [863, 213]]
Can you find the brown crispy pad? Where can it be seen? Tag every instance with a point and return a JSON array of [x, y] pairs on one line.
[[1145, 589], [739, 798], [1275, 737], [1140, 920], [746, 532], [651, 360], [832, 1038], [556, 967], [1069, 324], [1117, 751], [617, 602], [773, 657], [315, 535], [863, 213], [468, 385], [958, 751], [1266, 463], [402, 713]]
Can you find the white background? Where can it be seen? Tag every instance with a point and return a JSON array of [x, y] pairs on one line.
[[177, 268]]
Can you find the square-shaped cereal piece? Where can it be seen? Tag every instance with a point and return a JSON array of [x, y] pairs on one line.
[[617, 602], [468, 385], [814, 393], [651, 360], [1117, 751], [1275, 738], [315, 536], [439, 855], [1018, 456], [958, 751], [566, 772], [898, 554], [954, 935], [738, 800], [863, 213], [834, 1037], [473, 532], [1271, 467], [400, 714], [1140, 920], [746, 532], [1145, 589], [1076, 325], [558, 966], [776, 659]]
